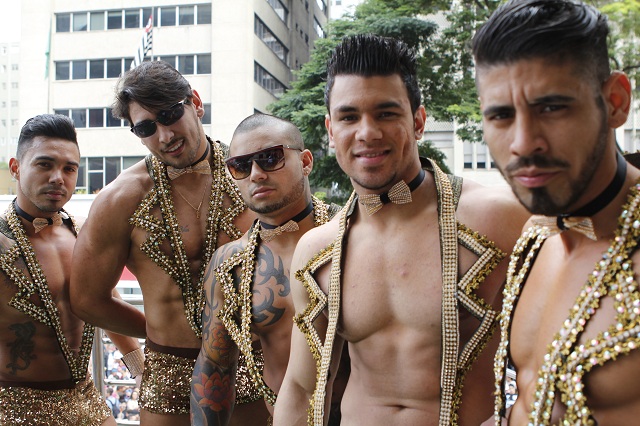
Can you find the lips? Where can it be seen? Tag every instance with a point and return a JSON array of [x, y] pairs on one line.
[[175, 147], [534, 178], [261, 191]]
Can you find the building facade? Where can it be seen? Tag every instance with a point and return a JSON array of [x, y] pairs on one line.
[[237, 54]]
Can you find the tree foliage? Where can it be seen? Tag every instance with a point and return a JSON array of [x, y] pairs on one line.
[[440, 31]]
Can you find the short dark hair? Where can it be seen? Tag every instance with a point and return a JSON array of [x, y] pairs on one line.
[[258, 120], [155, 85], [558, 30], [369, 55], [47, 125]]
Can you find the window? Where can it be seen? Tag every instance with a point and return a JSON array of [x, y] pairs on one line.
[[113, 121], [114, 68], [79, 22], [96, 68], [96, 117], [204, 13], [263, 32], [114, 19], [318, 28], [185, 64], [167, 16], [14, 67], [14, 85], [63, 22], [322, 5], [14, 103], [62, 70], [79, 117], [97, 172], [132, 18], [186, 15], [268, 81], [204, 64], [280, 10], [97, 21], [206, 118], [169, 59], [79, 70]]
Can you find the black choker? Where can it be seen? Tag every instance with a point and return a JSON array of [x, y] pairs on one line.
[[384, 198], [206, 152], [30, 218], [605, 197], [297, 218]]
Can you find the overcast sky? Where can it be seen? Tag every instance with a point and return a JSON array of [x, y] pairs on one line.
[[10, 21]]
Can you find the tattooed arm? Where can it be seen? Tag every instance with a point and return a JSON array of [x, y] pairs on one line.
[[213, 380]]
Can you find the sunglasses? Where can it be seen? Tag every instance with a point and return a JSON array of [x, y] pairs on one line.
[[269, 160], [147, 128]]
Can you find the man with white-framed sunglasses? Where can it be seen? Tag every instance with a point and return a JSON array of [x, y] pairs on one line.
[[162, 218]]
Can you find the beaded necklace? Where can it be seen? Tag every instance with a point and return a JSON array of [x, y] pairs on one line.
[[567, 361], [48, 314], [457, 292], [240, 300], [167, 227]]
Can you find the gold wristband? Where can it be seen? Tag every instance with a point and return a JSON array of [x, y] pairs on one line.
[[134, 361]]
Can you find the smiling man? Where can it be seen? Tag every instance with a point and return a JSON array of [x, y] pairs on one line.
[[550, 106], [411, 273], [248, 290], [162, 218]]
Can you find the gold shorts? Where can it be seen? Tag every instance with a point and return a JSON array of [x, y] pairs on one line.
[[166, 381], [245, 387], [80, 405]]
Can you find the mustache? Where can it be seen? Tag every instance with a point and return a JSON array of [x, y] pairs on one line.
[[538, 161]]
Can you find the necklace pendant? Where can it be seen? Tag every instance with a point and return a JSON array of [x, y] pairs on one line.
[[197, 214]]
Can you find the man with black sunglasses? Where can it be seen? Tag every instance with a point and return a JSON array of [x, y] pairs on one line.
[[247, 286], [409, 276], [162, 218]]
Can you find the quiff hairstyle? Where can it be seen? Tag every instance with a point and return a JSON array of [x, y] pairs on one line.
[[155, 85], [557, 30], [369, 55], [46, 125]]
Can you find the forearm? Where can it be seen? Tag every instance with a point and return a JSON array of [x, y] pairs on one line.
[[212, 393], [291, 405], [114, 315]]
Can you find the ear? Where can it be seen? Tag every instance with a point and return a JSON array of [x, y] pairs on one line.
[[307, 162], [197, 102], [419, 121], [617, 96], [327, 124], [14, 168]]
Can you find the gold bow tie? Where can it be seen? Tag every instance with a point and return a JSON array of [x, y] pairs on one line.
[[268, 234], [39, 223], [556, 225], [400, 193], [202, 167]]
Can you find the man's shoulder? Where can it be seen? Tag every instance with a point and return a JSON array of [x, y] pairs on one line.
[[319, 237]]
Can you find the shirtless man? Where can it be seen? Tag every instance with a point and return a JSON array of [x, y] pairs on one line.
[[44, 348], [413, 288], [550, 107], [162, 218], [271, 166]]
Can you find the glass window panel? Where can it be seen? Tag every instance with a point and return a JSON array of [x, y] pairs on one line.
[[130, 161], [114, 19], [63, 22], [185, 64], [167, 16], [95, 182], [79, 70], [82, 171], [79, 22], [61, 112], [114, 68], [132, 18], [186, 15], [204, 64], [111, 169], [97, 21], [204, 14], [62, 70], [96, 117], [113, 121], [169, 59], [146, 13], [95, 163], [96, 68], [79, 117], [206, 118]]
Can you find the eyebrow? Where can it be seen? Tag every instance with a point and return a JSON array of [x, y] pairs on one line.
[[549, 99], [47, 158], [382, 105]]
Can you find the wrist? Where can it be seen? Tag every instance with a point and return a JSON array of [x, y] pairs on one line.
[[134, 361]]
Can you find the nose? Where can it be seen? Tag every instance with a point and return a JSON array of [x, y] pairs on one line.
[[528, 138], [368, 129], [165, 134], [57, 176], [257, 174]]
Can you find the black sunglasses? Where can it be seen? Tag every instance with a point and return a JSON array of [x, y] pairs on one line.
[[269, 159], [147, 128]]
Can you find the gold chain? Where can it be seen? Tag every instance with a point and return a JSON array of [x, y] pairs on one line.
[[191, 205]]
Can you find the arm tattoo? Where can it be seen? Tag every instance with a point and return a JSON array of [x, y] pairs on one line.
[[268, 272], [21, 351]]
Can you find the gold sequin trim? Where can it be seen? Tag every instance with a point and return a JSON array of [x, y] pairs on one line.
[[167, 227], [238, 303], [47, 314], [567, 360]]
